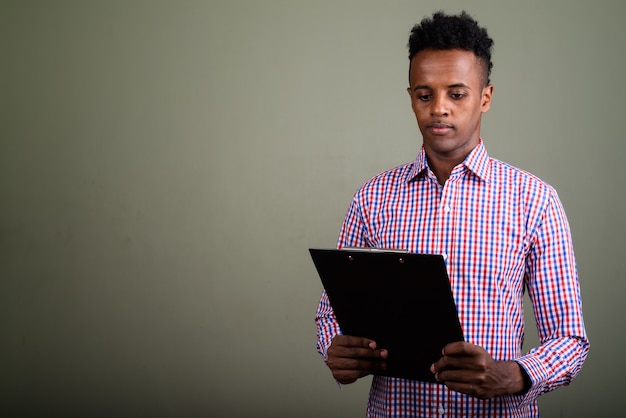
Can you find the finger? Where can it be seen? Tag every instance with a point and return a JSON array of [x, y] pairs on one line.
[[451, 362], [461, 355], [356, 353], [447, 362], [471, 365], [358, 364], [455, 376], [460, 348], [350, 358], [352, 341], [355, 347], [348, 370]]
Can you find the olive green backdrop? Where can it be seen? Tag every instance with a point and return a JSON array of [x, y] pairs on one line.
[[165, 165]]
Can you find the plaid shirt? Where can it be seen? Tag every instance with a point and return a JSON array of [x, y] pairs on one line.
[[502, 231]]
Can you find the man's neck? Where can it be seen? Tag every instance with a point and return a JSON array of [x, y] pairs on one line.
[[443, 164], [442, 167]]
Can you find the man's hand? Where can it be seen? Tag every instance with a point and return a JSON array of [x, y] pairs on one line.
[[469, 369], [350, 358]]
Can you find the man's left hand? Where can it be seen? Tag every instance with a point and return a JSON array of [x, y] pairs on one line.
[[469, 369]]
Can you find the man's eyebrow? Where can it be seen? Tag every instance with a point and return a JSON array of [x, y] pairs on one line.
[[451, 86]]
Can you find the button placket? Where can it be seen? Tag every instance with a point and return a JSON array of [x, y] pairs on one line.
[[445, 218]]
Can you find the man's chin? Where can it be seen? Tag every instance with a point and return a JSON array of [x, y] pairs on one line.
[[448, 145]]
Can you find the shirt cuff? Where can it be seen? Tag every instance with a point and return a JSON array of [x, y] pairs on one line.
[[537, 377]]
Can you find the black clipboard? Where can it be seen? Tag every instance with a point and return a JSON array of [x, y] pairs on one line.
[[401, 300]]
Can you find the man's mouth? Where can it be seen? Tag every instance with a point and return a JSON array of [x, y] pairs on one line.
[[438, 128]]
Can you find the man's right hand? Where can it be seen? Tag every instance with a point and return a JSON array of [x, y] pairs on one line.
[[350, 358]]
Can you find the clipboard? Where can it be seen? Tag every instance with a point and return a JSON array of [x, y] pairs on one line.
[[401, 300]]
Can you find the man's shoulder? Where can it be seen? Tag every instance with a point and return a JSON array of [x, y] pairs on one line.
[[508, 173], [393, 177]]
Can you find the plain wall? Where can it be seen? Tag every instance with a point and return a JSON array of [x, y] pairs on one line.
[[165, 165]]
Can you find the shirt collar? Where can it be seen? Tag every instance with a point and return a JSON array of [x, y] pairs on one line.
[[476, 162]]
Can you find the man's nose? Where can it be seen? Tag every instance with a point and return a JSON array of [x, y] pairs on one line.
[[439, 106]]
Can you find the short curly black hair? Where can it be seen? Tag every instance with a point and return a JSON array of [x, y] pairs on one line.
[[444, 32]]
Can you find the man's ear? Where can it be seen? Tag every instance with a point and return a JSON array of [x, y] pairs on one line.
[[487, 95]]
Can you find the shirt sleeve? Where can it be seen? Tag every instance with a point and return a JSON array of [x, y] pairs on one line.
[[554, 291], [352, 235]]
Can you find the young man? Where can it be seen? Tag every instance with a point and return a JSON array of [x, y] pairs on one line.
[[501, 231]]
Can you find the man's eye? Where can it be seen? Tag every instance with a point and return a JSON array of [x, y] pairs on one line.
[[424, 97], [457, 96]]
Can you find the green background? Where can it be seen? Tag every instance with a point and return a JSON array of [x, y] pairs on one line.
[[165, 165]]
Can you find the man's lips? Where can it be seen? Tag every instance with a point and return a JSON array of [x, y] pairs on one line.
[[439, 128]]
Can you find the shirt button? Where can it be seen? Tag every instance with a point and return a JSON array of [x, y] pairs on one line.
[[444, 255], [446, 209], [441, 411]]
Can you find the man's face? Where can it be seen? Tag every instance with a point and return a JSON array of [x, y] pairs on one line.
[[448, 97]]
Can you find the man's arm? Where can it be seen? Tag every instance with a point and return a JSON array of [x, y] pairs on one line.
[[348, 357], [554, 291], [552, 283]]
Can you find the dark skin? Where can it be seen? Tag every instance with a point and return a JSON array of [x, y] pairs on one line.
[[469, 369], [448, 96], [350, 358], [463, 367]]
